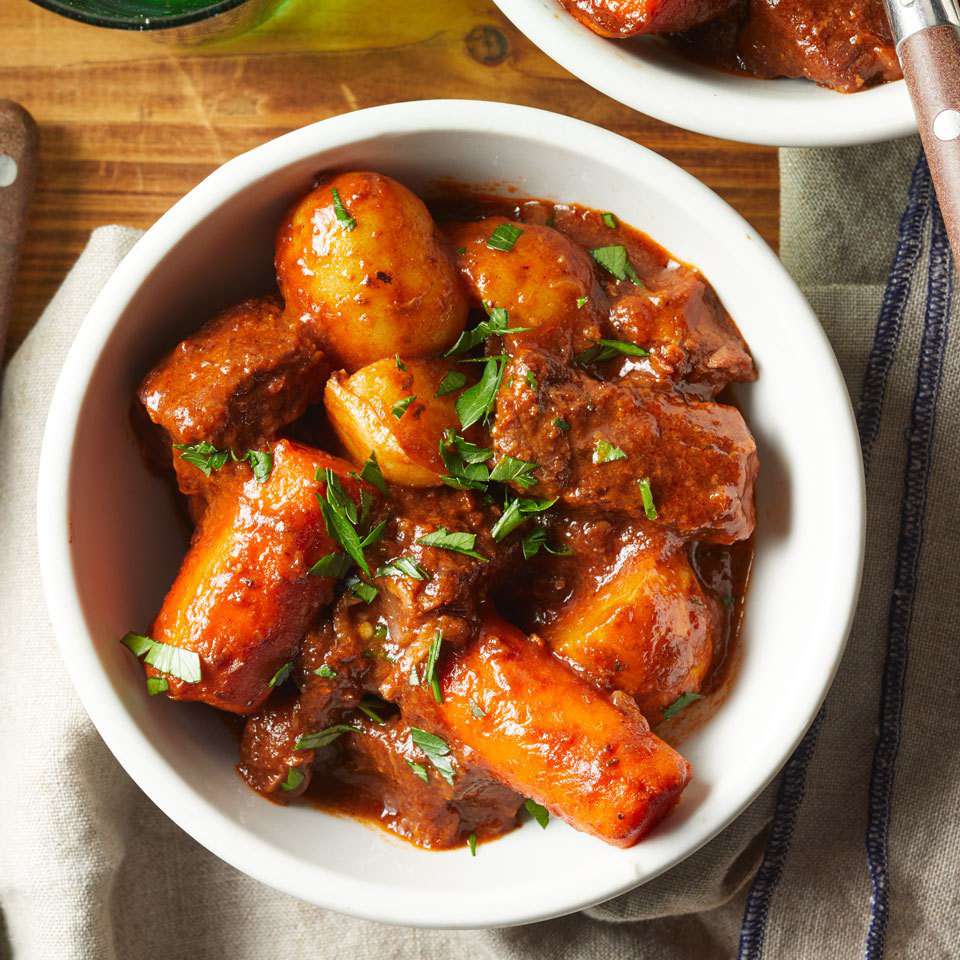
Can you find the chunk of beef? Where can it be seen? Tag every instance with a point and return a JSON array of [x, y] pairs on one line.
[[236, 382], [693, 343], [594, 442], [382, 765]]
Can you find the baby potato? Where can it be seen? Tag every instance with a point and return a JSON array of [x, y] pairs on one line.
[[649, 630], [360, 256], [545, 281], [372, 410]]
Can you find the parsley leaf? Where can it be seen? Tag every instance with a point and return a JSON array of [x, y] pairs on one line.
[[516, 512], [403, 567], [340, 515], [538, 812], [456, 541], [261, 462], [537, 539], [606, 452], [165, 657], [472, 844], [294, 779], [476, 403], [437, 751], [371, 473], [430, 677], [561, 424], [281, 675], [496, 324], [157, 685], [615, 261], [531, 379], [325, 671], [367, 592], [452, 380], [607, 349], [400, 364], [334, 565], [419, 770], [609, 220], [504, 236], [582, 302], [366, 707], [341, 211], [646, 495], [323, 738], [203, 455], [400, 407], [512, 470], [684, 700]]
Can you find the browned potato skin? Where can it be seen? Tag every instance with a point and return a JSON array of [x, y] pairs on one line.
[[626, 18], [243, 598], [360, 408], [648, 630], [538, 282], [549, 735], [384, 287]]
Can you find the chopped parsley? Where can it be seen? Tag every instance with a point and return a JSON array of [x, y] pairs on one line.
[[165, 657], [207, 458], [646, 495], [372, 474], [476, 403], [496, 324], [582, 302], [531, 379], [472, 844], [606, 452], [465, 462], [323, 738], [325, 671], [516, 511], [419, 770], [452, 381], [615, 261], [538, 812], [683, 701], [281, 675], [294, 779], [512, 470], [607, 350], [157, 685], [537, 539], [340, 515], [400, 407], [403, 567], [367, 592], [456, 541], [561, 424], [334, 565], [341, 211], [609, 220], [437, 751], [400, 364], [366, 707], [430, 677], [504, 236]]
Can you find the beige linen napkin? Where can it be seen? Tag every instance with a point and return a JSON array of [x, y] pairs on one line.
[[90, 869]]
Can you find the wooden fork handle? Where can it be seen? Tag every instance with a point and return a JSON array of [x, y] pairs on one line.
[[18, 162], [928, 44]]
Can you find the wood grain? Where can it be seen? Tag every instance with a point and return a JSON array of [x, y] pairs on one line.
[[129, 124]]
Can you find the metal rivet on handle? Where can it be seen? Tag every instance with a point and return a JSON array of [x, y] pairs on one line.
[[946, 125], [8, 170]]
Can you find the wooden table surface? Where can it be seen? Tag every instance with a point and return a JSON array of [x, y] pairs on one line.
[[129, 124]]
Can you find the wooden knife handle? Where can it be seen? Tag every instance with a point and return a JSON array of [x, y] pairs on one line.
[[931, 67], [18, 164]]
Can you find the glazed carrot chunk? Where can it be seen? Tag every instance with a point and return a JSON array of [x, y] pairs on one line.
[[556, 739], [244, 597]]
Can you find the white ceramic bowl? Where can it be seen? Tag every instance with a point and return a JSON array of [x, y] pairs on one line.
[[109, 544], [646, 74]]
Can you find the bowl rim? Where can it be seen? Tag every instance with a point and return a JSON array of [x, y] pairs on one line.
[[143, 22], [199, 818], [714, 102]]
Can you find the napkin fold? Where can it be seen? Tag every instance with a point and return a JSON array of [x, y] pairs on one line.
[[857, 843]]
